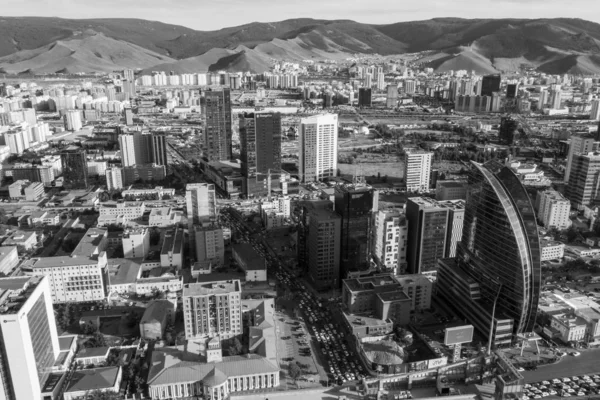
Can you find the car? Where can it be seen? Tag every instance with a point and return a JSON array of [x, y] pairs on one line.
[[565, 380], [566, 395], [575, 354]]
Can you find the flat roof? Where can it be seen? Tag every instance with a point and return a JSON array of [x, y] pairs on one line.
[[89, 243], [84, 380], [369, 282], [211, 288], [14, 292], [60, 261]]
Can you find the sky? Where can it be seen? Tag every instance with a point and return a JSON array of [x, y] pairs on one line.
[[216, 14]]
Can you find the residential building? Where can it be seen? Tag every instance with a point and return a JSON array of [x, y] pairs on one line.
[[210, 244], [391, 100], [390, 239], [498, 258], [355, 203], [136, 243], [318, 147], [24, 240], [419, 288], [140, 147], [274, 213], [582, 189], [260, 139], [553, 210], [216, 109], [552, 250], [171, 254], [114, 178], [37, 173], [201, 203], [595, 110], [74, 167], [450, 190], [9, 259], [579, 145], [72, 120], [253, 264], [42, 218], [417, 170], [212, 309], [319, 239], [158, 315], [28, 334], [120, 213], [85, 381]]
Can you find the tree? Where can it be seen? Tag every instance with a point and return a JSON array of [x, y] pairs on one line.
[[294, 371], [100, 395], [235, 348], [97, 340]]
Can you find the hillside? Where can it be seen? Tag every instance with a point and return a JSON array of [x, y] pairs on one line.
[[486, 45]]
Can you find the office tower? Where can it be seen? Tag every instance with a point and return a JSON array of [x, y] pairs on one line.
[[28, 337], [597, 136], [417, 169], [319, 238], [260, 139], [392, 96], [579, 145], [128, 112], [364, 97], [216, 109], [390, 239], [318, 147], [555, 97], [410, 87], [140, 148], [453, 90], [553, 210], [355, 203], [212, 309], [201, 203], [159, 148], [494, 282], [129, 83], [128, 149], [210, 245], [74, 165], [490, 84], [543, 99], [583, 188], [595, 110], [450, 190], [136, 243], [586, 85], [512, 90], [435, 230], [508, 129], [72, 119]]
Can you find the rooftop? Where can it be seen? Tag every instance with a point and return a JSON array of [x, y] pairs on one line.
[[156, 311], [369, 282], [84, 380], [123, 271], [14, 292], [253, 260], [211, 288], [89, 352], [60, 261], [90, 242]]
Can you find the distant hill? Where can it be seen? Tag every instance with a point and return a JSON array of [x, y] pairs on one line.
[[485, 45]]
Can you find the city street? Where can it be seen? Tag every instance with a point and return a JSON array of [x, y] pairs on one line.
[[587, 363]]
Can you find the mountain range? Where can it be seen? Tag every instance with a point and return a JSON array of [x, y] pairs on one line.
[[38, 45]]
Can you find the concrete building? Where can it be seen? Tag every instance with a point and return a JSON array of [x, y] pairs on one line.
[[390, 239], [114, 178], [417, 170], [579, 145], [120, 213], [210, 244], [212, 309], [450, 190], [136, 243], [97, 167], [85, 381], [275, 213], [92, 355], [72, 119], [25, 190], [253, 264], [571, 328], [201, 202], [553, 210], [216, 109], [164, 217], [74, 168], [582, 189], [23, 240], [30, 344], [552, 250], [171, 254], [318, 147], [9, 259], [157, 316], [419, 288]]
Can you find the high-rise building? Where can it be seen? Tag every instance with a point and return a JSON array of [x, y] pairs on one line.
[[213, 309], [595, 110], [553, 210], [114, 178], [417, 170], [210, 245], [390, 239], [159, 148], [129, 83], [364, 97], [380, 81], [579, 145], [260, 138], [355, 203], [216, 109], [318, 147], [201, 202], [435, 230], [128, 112], [139, 148], [74, 166], [72, 119], [494, 282], [392, 96], [582, 188], [28, 338], [490, 84], [508, 130], [410, 87], [512, 90], [555, 97], [543, 99], [128, 150], [319, 239]]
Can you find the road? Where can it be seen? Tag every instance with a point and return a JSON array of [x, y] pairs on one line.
[[587, 363]]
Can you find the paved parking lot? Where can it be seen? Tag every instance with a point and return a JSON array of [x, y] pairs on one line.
[[571, 386], [587, 363]]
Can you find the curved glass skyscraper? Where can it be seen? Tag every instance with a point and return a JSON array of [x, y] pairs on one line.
[[500, 246]]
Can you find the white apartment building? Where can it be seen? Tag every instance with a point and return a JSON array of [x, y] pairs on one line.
[[553, 211], [577, 145], [390, 235], [201, 202], [210, 245], [552, 250], [97, 168], [121, 213], [213, 309], [417, 170], [419, 288], [28, 331], [318, 147], [73, 120], [114, 178], [595, 110], [136, 243], [274, 213], [73, 279]]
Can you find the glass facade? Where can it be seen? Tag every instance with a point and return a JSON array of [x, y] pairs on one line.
[[500, 245], [41, 338]]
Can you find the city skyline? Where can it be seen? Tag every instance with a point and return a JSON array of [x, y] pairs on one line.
[[221, 15]]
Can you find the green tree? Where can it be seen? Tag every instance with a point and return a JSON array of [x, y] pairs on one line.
[[294, 371], [100, 395], [235, 348], [97, 340]]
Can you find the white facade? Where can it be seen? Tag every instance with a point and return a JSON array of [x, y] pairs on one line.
[[318, 147], [554, 210], [127, 150], [201, 202], [97, 168], [73, 120], [120, 213], [419, 288], [29, 333], [595, 110], [552, 251], [210, 244], [578, 144], [114, 178], [390, 235], [136, 243], [417, 170]]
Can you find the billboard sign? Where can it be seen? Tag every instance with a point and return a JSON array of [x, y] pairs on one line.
[[458, 335]]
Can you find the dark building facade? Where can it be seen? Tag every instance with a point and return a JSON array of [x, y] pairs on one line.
[[75, 172], [490, 84], [498, 256], [508, 129], [159, 148], [260, 139], [364, 97], [216, 109], [511, 90]]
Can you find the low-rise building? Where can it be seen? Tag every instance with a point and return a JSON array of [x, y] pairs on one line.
[[164, 217], [451, 190], [571, 327], [136, 243], [253, 264], [26, 190], [9, 259], [84, 381], [419, 288], [41, 218], [159, 193], [24, 240], [171, 254], [120, 213], [92, 355], [157, 316], [552, 250]]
